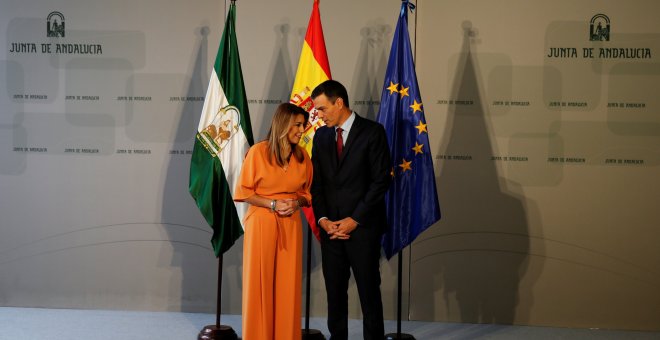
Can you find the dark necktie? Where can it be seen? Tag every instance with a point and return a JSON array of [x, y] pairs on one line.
[[340, 142]]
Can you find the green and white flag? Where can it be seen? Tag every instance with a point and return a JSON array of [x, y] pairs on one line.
[[223, 137]]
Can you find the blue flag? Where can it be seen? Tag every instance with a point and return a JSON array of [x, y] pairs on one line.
[[412, 200]]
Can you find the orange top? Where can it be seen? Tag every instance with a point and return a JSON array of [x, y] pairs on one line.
[[269, 180]]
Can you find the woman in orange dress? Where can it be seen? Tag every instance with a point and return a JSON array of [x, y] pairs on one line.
[[275, 181]]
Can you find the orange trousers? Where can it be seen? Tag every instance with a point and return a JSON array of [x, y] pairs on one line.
[[272, 274]]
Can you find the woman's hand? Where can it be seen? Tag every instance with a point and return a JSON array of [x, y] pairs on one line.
[[286, 207]]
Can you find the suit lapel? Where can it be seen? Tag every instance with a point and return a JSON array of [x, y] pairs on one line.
[[332, 148]]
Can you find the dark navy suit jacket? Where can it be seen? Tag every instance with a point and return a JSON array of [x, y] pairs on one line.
[[355, 184]]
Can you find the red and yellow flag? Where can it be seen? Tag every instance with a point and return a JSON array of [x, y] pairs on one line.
[[313, 69]]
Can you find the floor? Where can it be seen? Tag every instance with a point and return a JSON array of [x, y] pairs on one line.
[[65, 324]]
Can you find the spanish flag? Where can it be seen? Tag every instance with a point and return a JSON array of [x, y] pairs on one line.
[[313, 69]]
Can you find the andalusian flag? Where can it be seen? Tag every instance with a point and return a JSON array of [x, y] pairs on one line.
[[313, 69], [223, 137]]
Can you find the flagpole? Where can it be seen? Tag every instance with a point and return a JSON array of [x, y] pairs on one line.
[[309, 334], [218, 331], [303, 83], [398, 298], [218, 302], [398, 335]]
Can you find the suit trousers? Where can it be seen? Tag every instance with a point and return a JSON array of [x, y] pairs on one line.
[[361, 255]]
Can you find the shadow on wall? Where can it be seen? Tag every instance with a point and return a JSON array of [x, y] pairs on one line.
[[277, 85], [369, 73], [12, 131], [192, 253], [191, 262], [468, 268]]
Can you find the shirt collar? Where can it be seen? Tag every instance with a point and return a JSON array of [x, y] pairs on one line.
[[348, 123]]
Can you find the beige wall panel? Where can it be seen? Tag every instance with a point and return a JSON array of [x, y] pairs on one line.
[[548, 211], [547, 166]]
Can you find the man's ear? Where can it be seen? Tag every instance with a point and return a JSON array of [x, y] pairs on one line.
[[339, 102]]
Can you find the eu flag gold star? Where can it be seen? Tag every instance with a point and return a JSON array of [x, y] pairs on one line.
[[416, 106], [405, 166], [393, 87], [418, 148], [404, 91], [421, 127]]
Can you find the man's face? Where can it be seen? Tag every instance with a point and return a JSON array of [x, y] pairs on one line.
[[328, 111]]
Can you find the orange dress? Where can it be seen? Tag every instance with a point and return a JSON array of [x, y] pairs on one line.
[[272, 247]]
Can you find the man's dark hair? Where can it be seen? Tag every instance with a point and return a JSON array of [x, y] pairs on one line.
[[333, 90]]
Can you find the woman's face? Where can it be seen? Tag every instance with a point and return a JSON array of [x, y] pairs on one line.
[[296, 129]]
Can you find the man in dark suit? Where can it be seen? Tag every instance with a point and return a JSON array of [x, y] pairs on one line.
[[352, 167]]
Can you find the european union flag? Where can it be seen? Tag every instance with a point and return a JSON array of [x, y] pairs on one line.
[[412, 200]]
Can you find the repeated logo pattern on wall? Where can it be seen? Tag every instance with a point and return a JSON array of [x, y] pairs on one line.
[[599, 28], [55, 28]]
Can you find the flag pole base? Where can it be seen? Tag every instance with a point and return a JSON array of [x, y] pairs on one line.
[[213, 332], [312, 334], [399, 336]]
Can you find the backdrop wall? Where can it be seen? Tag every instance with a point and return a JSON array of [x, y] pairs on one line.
[[546, 147]]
